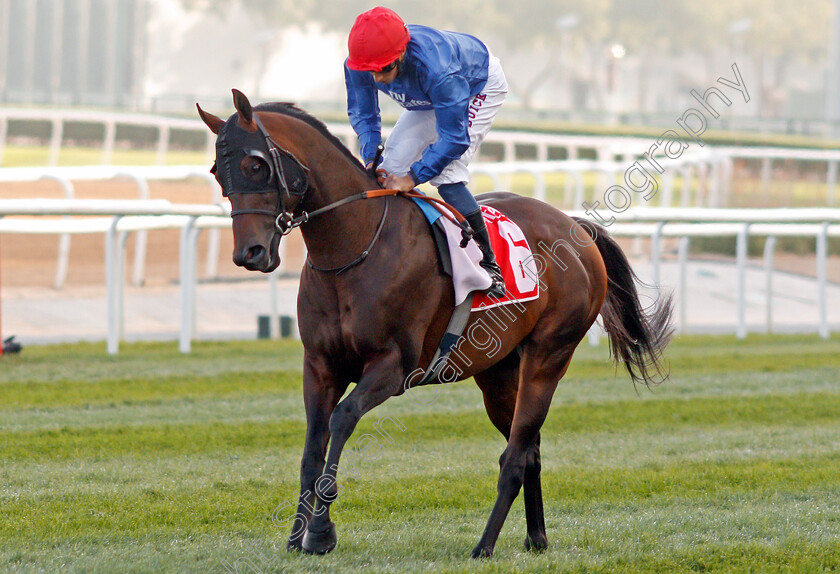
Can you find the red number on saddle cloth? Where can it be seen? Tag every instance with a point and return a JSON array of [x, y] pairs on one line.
[[514, 257]]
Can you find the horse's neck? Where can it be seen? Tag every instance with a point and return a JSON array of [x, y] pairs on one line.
[[339, 235]]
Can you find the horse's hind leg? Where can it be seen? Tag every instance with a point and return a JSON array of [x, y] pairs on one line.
[[540, 371], [499, 385]]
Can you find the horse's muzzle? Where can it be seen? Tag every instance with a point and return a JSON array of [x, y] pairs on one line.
[[258, 257]]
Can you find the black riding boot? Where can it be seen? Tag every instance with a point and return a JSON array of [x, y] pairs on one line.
[[488, 261]]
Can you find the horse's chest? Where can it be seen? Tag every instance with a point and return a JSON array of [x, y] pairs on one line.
[[365, 325]]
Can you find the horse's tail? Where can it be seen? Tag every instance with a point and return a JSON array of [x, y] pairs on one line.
[[638, 335]]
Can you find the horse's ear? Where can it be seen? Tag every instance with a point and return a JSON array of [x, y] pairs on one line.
[[213, 122], [243, 106]]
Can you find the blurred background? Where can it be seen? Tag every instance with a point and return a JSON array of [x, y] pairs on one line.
[[601, 61]]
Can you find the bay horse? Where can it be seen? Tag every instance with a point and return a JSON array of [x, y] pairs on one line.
[[374, 303]]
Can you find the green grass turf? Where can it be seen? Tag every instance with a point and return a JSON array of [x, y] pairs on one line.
[[153, 461]]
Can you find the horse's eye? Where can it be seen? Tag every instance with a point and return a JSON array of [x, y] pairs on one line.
[[254, 169]]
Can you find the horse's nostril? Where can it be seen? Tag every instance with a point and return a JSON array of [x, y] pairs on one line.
[[250, 257], [255, 253]]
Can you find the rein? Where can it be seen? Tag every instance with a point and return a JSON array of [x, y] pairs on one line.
[[455, 216], [438, 204]]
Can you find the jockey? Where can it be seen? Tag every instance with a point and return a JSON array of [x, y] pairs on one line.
[[451, 87]]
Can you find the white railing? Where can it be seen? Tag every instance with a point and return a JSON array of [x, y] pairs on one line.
[[657, 223], [612, 153], [58, 119], [712, 171], [606, 148], [767, 155], [125, 216], [140, 177]]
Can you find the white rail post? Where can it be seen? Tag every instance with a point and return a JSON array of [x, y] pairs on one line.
[[741, 262], [769, 248], [702, 185], [56, 135], [685, 196], [682, 257], [498, 182], [193, 264], [579, 191], [111, 280], [539, 185], [185, 338], [122, 236], [714, 184], [109, 142], [64, 238], [163, 144], [667, 197], [725, 171], [822, 278], [567, 190], [655, 250], [509, 150], [4, 131], [766, 168], [138, 274]]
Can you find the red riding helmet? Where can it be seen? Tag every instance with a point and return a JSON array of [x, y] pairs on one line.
[[377, 38]]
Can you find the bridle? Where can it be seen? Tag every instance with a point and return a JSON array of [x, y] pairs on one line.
[[285, 221], [278, 181]]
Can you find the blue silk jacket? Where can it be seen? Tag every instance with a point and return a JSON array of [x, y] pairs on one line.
[[442, 71]]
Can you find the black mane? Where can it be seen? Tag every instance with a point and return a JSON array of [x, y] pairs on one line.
[[292, 110]]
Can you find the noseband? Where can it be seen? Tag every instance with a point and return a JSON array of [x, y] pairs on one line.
[[285, 221]]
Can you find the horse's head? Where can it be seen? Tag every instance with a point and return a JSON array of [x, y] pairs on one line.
[[264, 182]]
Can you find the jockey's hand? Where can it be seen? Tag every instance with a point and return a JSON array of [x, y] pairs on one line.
[[400, 182]]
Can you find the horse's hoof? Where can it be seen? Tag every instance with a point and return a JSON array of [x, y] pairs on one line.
[[320, 542], [482, 551], [295, 545], [535, 544]]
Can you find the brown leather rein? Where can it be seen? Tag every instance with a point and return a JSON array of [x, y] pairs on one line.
[[444, 208]]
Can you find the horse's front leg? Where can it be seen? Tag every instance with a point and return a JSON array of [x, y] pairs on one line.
[[382, 378], [321, 392]]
